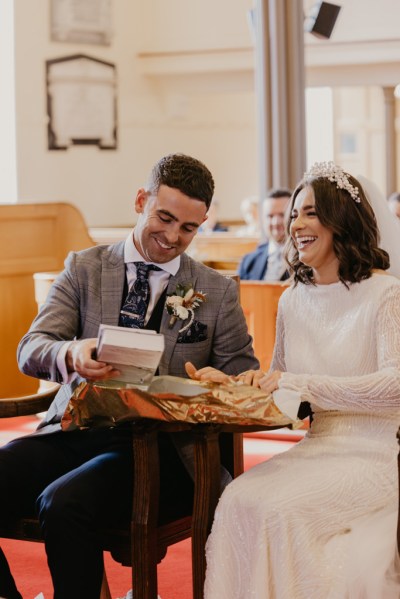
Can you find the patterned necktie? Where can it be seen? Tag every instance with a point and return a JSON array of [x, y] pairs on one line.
[[135, 306]]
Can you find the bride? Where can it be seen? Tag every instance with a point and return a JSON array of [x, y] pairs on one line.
[[319, 521]]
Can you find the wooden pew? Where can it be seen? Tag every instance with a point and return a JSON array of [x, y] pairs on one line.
[[218, 248], [33, 237], [259, 300], [222, 251]]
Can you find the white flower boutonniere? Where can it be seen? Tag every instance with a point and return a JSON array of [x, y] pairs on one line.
[[182, 304]]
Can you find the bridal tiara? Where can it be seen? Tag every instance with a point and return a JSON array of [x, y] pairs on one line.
[[334, 173]]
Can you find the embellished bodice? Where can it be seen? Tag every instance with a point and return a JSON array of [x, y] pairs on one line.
[[340, 347]]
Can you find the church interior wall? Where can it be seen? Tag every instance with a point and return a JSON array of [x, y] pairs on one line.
[[185, 82]]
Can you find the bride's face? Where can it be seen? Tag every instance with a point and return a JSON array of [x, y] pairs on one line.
[[313, 240]]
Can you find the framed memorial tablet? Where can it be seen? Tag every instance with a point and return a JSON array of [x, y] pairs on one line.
[[81, 102]]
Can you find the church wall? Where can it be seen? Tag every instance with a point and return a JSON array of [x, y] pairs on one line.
[[185, 83]]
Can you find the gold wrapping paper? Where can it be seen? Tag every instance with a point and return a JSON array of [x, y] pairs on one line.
[[171, 399]]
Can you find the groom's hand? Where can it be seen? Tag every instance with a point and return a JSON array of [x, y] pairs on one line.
[[207, 374], [80, 358]]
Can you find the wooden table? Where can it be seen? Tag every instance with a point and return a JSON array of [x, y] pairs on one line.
[[206, 491], [146, 489]]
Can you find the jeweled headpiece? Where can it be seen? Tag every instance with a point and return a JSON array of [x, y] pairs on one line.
[[334, 173]]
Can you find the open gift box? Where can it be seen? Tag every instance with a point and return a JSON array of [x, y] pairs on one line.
[[170, 399]]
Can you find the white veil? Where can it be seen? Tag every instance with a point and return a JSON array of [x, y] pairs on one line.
[[388, 224]]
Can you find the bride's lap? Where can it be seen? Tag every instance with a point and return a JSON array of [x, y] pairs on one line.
[[314, 475], [313, 506]]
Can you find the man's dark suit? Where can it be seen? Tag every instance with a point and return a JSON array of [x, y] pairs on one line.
[[80, 479], [254, 265]]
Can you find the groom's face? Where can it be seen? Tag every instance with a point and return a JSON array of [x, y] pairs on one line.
[[167, 223]]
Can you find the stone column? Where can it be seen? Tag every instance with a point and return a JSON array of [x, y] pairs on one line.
[[390, 139], [280, 91]]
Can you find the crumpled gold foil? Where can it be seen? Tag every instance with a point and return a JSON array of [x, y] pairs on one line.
[[171, 398]]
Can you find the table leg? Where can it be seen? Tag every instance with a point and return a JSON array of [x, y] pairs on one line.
[[207, 491], [145, 514]]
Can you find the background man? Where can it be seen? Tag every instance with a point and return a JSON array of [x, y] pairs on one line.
[[394, 203], [266, 263], [79, 480], [212, 224], [249, 207]]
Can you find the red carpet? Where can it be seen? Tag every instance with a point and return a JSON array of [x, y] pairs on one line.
[[28, 560], [28, 564]]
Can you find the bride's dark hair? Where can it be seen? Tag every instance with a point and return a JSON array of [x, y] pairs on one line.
[[354, 228]]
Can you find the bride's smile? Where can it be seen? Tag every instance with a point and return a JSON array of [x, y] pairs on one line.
[[312, 239]]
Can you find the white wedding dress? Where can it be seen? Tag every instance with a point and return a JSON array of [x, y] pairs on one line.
[[319, 521]]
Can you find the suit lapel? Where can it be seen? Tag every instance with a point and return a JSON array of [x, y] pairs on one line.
[[112, 284], [185, 274], [263, 264]]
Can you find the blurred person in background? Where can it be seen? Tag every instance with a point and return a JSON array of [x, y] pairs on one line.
[[212, 225], [249, 207], [267, 263], [394, 203]]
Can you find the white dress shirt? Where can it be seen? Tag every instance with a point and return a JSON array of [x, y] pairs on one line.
[[276, 265], [158, 279]]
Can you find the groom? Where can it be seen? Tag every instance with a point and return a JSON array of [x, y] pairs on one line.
[[77, 480]]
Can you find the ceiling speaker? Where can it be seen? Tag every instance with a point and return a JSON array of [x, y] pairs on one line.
[[322, 19]]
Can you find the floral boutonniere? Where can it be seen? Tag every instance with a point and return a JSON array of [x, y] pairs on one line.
[[182, 304]]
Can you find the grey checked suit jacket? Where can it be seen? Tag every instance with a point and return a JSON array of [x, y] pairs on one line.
[[89, 292]]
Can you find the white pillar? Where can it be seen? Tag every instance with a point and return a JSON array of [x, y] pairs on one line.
[[8, 156], [390, 139], [280, 90]]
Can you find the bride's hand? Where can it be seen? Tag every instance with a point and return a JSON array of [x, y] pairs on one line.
[[270, 382], [250, 377], [207, 373]]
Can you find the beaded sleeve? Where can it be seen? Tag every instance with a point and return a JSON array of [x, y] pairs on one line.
[[377, 391], [278, 357]]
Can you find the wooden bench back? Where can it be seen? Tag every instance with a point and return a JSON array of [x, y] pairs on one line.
[[259, 300], [221, 247], [33, 237]]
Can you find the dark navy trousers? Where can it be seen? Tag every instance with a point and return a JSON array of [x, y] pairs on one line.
[[74, 482]]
